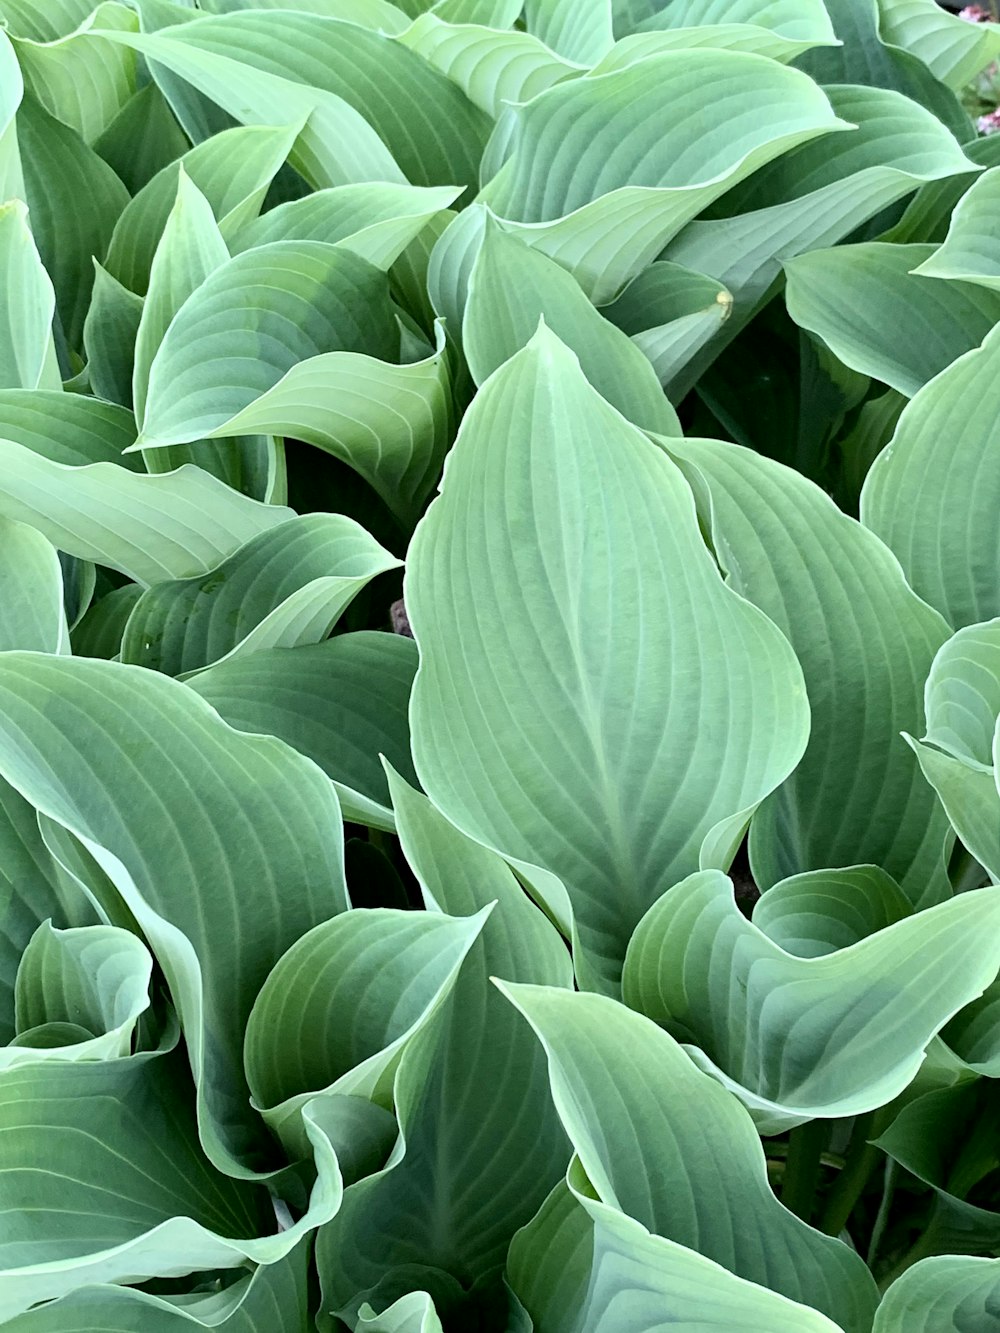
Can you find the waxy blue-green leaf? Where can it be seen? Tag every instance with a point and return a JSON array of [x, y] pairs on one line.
[[378, 14], [938, 1295], [865, 643], [274, 1298], [413, 1313], [932, 494], [841, 295], [581, 33], [96, 978], [480, 1144], [512, 286], [667, 1146], [796, 1038], [821, 911], [804, 19], [121, 1190], [44, 23], [74, 200], [340, 1007], [958, 753], [343, 703], [109, 334], [171, 526], [750, 38], [377, 220], [190, 249], [530, 667], [27, 352], [99, 633], [670, 313], [142, 139], [285, 587], [244, 814], [491, 67], [11, 92], [232, 170], [603, 172], [68, 428], [814, 196], [252, 321], [953, 49], [32, 614], [80, 79], [970, 252]]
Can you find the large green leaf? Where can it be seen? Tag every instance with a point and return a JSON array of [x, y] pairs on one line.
[[602, 172], [821, 911], [27, 353], [958, 752], [797, 1038], [530, 668], [142, 139], [814, 196], [75, 199], [109, 334], [31, 610], [343, 703], [120, 1190], [670, 1148], [865, 642], [80, 79], [274, 1298], [232, 170], [750, 38], [250, 322], [970, 252], [946, 1294], [285, 587], [841, 294], [412, 1313], [512, 286], [68, 428], [670, 313], [932, 495], [480, 1145], [169, 799], [11, 92], [796, 18], [953, 49], [340, 1007], [95, 978]]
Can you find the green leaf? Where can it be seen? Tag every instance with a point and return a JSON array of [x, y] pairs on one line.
[[957, 754], [58, 18], [343, 703], [821, 911], [68, 428], [11, 92], [836, 294], [550, 500], [492, 68], [953, 49], [603, 172], [308, 1034], [377, 220], [865, 643], [803, 19], [31, 611], [232, 170], [667, 1146], [99, 633], [581, 33], [750, 38], [796, 1038], [413, 1313], [931, 494], [176, 525], [27, 353], [95, 976], [941, 1294], [245, 814], [274, 1298], [189, 251], [109, 334], [74, 199], [670, 313], [121, 1151], [285, 587], [480, 1144], [512, 286], [814, 196], [142, 139], [250, 322], [970, 252], [79, 78]]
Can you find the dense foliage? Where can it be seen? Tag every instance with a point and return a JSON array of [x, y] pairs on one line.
[[499, 667]]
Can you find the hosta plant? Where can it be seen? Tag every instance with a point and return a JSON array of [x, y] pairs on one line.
[[499, 667]]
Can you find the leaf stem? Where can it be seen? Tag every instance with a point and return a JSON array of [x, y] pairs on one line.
[[861, 1160], [805, 1147]]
